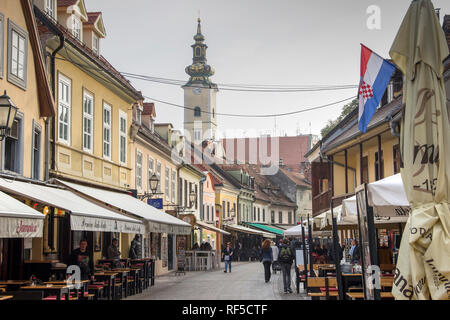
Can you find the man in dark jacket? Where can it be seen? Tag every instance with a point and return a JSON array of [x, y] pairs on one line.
[[285, 257], [227, 253], [136, 248], [355, 254], [82, 258]]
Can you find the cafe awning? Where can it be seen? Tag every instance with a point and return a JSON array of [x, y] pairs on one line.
[[387, 197], [266, 228], [158, 221], [17, 220], [84, 214], [210, 227], [295, 231], [239, 228]]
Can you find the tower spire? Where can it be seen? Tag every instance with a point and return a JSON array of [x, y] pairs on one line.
[[199, 71]]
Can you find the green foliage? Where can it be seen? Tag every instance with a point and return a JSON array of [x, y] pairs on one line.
[[349, 107]]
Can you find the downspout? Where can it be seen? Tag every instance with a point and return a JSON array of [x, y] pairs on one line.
[[53, 72]]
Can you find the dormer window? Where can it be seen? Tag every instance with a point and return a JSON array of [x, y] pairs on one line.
[[152, 125], [95, 44], [76, 27], [50, 8], [138, 116]]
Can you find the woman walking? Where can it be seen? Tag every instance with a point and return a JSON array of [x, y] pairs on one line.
[[266, 258]]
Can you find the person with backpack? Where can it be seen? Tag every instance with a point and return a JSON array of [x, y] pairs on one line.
[[285, 257]]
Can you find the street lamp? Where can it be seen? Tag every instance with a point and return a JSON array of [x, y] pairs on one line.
[[7, 115], [154, 181], [192, 198]]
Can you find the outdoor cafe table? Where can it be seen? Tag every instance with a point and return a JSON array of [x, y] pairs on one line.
[[110, 277], [82, 283], [13, 285], [52, 290], [124, 275], [6, 297], [360, 295], [148, 266]]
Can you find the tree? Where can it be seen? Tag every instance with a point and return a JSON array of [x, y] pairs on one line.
[[349, 107]]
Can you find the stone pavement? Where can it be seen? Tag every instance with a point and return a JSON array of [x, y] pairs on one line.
[[245, 282]]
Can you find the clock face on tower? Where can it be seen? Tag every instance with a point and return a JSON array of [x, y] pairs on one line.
[[197, 91]]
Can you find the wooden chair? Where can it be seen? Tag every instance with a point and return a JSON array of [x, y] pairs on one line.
[[96, 290], [386, 282]]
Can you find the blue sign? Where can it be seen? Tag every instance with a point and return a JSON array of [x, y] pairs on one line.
[[157, 203]]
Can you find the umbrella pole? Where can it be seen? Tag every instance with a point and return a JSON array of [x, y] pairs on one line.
[[336, 250], [311, 270], [305, 262]]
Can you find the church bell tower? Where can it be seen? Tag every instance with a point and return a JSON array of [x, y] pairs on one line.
[[200, 94]]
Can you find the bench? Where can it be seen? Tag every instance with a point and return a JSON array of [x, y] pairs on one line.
[[318, 287]]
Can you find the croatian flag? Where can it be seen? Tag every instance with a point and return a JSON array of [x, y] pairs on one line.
[[375, 75]]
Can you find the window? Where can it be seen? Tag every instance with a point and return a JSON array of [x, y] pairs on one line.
[[107, 131], [207, 213], [289, 217], [122, 137], [254, 213], [167, 184], [17, 55], [196, 197], [197, 135], [223, 209], [228, 209], [50, 8], [150, 169], [185, 193], [396, 156], [36, 152], [138, 169], [197, 112], [365, 170], [158, 174], [138, 116], [259, 215], [234, 209], [264, 215], [88, 122], [174, 177], [13, 147], [76, 27], [64, 108], [95, 44], [280, 217], [390, 92], [377, 176], [2, 39]]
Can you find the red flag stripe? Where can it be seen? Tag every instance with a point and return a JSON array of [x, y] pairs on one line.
[[365, 56]]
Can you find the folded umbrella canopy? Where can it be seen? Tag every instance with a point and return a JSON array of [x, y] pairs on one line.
[[423, 267]]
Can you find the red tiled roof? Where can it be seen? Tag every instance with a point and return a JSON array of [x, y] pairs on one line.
[[291, 149], [66, 3], [296, 177], [149, 109], [92, 17]]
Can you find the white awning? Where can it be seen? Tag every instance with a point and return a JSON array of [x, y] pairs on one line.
[[17, 220], [158, 221], [84, 214], [207, 226], [387, 197], [294, 231]]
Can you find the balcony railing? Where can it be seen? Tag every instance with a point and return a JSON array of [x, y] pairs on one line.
[[321, 202]]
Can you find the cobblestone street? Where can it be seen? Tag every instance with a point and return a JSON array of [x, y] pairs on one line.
[[245, 282]]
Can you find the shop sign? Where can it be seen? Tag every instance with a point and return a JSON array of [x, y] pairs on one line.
[[21, 228], [157, 203]]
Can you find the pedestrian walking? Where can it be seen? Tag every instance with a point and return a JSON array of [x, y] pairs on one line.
[[266, 258], [227, 253], [285, 256], [275, 263]]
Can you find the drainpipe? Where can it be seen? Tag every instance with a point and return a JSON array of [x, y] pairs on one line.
[[53, 73]]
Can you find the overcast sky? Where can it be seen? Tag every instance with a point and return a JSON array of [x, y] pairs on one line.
[[277, 42]]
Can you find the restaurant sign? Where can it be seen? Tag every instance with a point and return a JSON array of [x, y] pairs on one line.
[[169, 228], [21, 228], [81, 223]]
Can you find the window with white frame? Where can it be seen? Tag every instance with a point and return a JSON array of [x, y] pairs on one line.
[[138, 169], [107, 131], [174, 177], [167, 184], [12, 147], [197, 135], [50, 8], [151, 170], [95, 44], [390, 92], [122, 137], [76, 27], [64, 108], [138, 115], [158, 174], [88, 122], [17, 55], [36, 151]]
